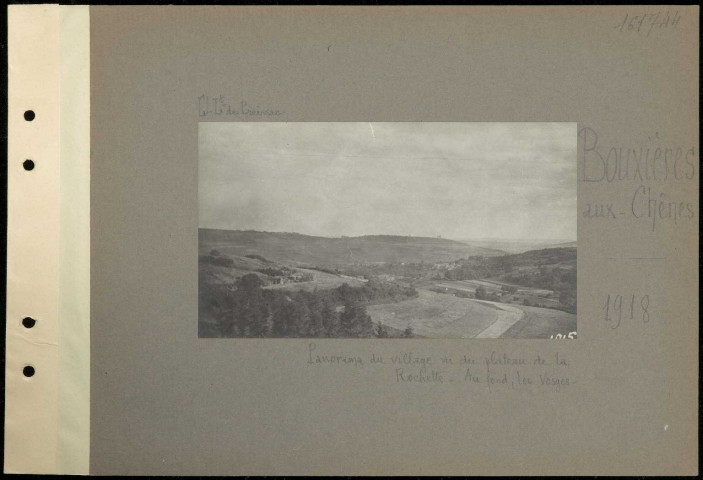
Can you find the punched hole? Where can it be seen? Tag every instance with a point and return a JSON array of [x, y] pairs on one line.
[[29, 115], [28, 322], [28, 371], [28, 165]]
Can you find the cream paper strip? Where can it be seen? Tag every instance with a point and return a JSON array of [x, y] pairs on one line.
[[31, 404], [47, 415], [74, 241]]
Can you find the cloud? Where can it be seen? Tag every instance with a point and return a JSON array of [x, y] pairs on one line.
[[458, 180]]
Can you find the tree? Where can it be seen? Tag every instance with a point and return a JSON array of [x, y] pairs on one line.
[[347, 319], [284, 317], [217, 301], [316, 326], [346, 292], [408, 333], [381, 331], [355, 322], [330, 320], [249, 282], [249, 310], [302, 317], [481, 292]]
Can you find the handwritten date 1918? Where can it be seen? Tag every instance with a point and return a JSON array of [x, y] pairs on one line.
[[633, 307]]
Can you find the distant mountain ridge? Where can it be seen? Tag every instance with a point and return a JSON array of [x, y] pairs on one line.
[[518, 246], [562, 245], [299, 249]]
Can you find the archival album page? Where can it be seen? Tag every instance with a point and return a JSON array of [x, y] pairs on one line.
[[353, 240]]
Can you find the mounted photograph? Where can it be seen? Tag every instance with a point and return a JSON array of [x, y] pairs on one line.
[[387, 230]]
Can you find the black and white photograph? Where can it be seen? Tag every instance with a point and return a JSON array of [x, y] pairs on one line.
[[387, 230]]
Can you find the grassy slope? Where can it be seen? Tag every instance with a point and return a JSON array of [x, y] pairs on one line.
[[435, 315], [218, 274]]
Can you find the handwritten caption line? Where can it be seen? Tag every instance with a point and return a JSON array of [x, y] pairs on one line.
[[495, 372], [219, 106]]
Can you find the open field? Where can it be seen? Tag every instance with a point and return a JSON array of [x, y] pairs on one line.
[[437, 315]]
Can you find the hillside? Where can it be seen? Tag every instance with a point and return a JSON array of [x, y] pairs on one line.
[[297, 249], [518, 246], [522, 268], [561, 245], [216, 268], [565, 256]]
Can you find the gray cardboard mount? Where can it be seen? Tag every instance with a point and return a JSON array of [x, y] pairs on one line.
[[164, 402]]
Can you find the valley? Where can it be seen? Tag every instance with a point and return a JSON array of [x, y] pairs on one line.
[[397, 286]]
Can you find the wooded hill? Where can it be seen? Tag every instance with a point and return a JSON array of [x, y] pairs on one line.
[[294, 248]]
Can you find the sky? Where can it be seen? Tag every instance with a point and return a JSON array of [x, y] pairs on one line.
[[508, 181]]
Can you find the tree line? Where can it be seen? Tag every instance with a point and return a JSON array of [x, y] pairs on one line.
[[245, 309]]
